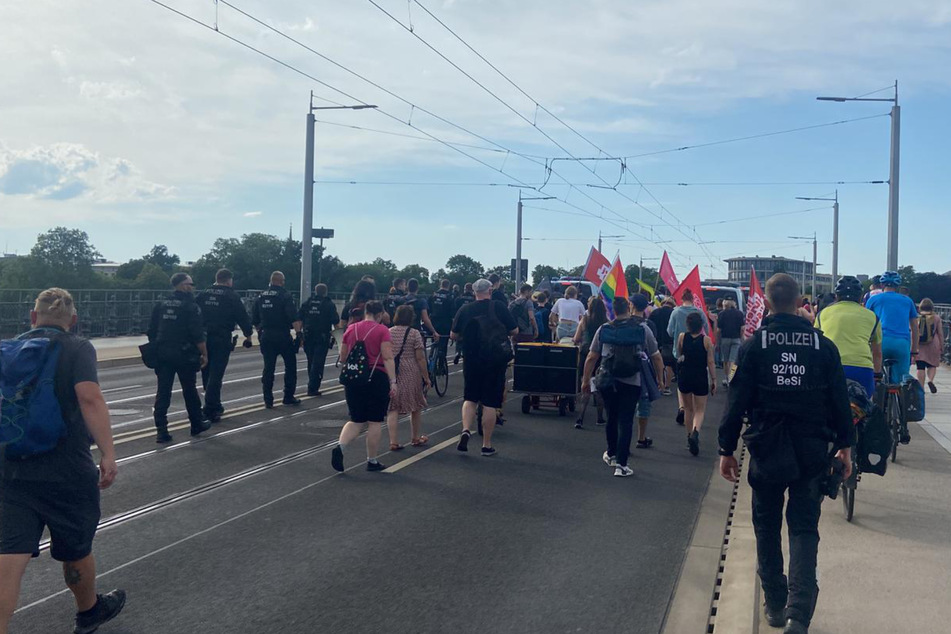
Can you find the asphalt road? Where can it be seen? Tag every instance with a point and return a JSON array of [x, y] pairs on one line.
[[250, 530]]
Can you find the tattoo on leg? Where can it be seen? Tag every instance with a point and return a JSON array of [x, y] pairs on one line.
[[71, 574]]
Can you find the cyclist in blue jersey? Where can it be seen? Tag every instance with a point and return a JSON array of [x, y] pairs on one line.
[[899, 318]]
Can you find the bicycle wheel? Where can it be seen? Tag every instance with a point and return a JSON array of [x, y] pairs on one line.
[[441, 376]]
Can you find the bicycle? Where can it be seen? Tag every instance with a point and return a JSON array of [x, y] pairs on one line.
[[439, 367], [892, 407]]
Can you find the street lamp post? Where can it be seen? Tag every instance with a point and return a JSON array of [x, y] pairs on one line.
[[815, 254], [835, 232], [307, 239], [892, 174], [518, 239]]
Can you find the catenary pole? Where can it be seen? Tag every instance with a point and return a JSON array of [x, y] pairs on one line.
[[307, 246]]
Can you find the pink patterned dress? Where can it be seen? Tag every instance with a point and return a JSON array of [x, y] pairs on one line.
[[409, 380]]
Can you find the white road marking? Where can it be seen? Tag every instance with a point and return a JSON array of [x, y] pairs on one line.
[[424, 454]]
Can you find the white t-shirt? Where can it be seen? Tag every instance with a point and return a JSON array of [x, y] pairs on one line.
[[568, 309]]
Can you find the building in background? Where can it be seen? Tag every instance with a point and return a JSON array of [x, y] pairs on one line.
[[106, 267], [739, 271]]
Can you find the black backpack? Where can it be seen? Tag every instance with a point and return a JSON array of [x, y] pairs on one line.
[[357, 369], [391, 303], [495, 347], [519, 309]]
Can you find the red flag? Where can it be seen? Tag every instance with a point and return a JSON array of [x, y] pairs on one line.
[[597, 267], [756, 306], [667, 274], [692, 283]]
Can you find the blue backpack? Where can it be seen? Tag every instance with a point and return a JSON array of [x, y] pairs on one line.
[[31, 421]]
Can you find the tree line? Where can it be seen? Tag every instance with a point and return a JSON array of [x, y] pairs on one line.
[[65, 257]]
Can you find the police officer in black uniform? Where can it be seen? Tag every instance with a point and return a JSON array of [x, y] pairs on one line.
[[319, 316], [176, 332], [789, 379], [221, 310], [441, 312], [274, 314]]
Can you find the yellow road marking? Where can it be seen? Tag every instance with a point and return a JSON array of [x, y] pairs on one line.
[[420, 456]]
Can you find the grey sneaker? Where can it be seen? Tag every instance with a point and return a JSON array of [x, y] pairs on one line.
[[623, 472], [611, 461]]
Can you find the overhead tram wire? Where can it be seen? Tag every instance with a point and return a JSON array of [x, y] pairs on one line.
[[413, 32], [547, 111], [216, 29], [413, 107]]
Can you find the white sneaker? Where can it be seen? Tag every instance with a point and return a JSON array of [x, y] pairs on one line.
[[623, 472], [611, 461]]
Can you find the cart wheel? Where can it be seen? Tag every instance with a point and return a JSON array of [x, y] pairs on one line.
[[571, 405], [526, 404], [562, 407]]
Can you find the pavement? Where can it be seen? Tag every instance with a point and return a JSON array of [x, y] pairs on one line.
[[248, 529], [888, 570]]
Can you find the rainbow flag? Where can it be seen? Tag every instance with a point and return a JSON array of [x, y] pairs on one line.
[[614, 285]]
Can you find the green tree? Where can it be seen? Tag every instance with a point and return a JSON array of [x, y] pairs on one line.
[[160, 257], [935, 287], [65, 257], [131, 269], [462, 269], [251, 259], [544, 271], [419, 272], [152, 277]]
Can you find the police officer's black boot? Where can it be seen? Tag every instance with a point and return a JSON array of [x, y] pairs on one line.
[[162, 436], [268, 400], [795, 627], [200, 426], [774, 616]]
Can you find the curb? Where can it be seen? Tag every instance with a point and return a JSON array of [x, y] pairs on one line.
[[689, 609]]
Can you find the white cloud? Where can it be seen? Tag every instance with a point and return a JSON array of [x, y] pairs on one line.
[[65, 171], [252, 214]]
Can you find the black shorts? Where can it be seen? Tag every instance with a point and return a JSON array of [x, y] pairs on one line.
[[667, 354], [483, 385], [70, 511], [923, 365], [369, 403]]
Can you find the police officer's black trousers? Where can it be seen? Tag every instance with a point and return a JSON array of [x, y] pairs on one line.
[[163, 395], [212, 375], [621, 404], [799, 593], [316, 360], [271, 350]]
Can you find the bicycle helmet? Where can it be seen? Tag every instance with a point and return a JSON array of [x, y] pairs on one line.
[[891, 278], [849, 287], [877, 280]]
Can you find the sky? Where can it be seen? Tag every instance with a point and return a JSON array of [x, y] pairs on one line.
[[142, 127]]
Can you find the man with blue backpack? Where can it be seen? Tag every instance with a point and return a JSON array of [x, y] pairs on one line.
[[621, 344], [51, 404]]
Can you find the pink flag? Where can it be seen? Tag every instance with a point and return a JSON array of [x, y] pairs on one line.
[[756, 306], [597, 267], [667, 274]]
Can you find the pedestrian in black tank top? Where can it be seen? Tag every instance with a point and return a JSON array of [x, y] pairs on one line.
[[694, 382]]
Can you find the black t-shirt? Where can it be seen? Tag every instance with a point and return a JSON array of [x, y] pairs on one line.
[[466, 325], [500, 296], [730, 322], [441, 310], [71, 460], [660, 317], [419, 305]]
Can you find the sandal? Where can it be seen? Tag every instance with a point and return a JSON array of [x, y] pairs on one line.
[[396, 447], [421, 441]]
